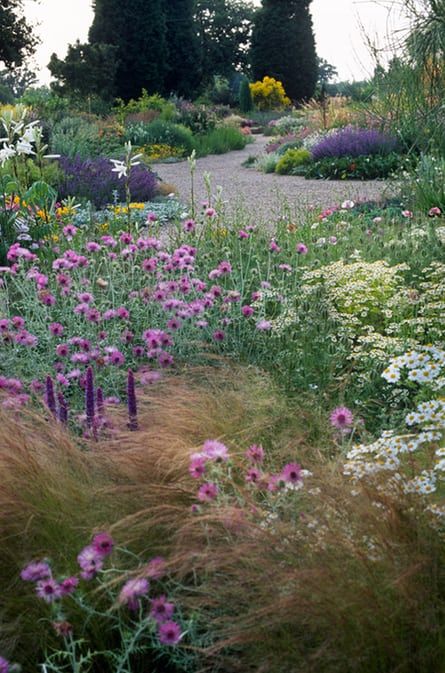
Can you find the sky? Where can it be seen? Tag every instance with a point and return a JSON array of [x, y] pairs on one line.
[[340, 27]]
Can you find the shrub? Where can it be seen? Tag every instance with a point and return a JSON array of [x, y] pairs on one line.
[[356, 168], [146, 103], [269, 94], [292, 159], [245, 97], [94, 180], [197, 118], [288, 125], [284, 141], [266, 163], [219, 141], [161, 132], [354, 142]]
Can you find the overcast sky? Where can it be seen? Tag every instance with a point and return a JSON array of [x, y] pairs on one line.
[[338, 27]]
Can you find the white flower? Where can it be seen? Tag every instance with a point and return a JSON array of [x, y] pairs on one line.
[[119, 167], [348, 205], [24, 147], [6, 153]]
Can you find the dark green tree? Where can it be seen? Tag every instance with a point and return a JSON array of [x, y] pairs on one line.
[[245, 96], [138, 29], [283, 46], [88, 69], [183, 74], [17, 41], [18, 81], [326, 71], [224, 28]]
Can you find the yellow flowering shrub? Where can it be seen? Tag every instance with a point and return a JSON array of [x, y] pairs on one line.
[[269, 94], [158, 151]]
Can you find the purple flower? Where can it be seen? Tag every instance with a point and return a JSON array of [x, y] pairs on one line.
[[291, 473], [4, 665], [89, 397], [103, 544], [49, 590], [155, 569], [69, 585], [197, 465], [247, 311], [116, 358], [218, 335], [90, 562], [225, 267], [56, 329], [264, 325], [50, 397], [208, 492], [169, 633], [131, 401], [255, 453], [301, 249], [63, 409], [353, 142], [253, 475], [161, 609], [341, 418], [36, 571], [132, 591], [215, 450]]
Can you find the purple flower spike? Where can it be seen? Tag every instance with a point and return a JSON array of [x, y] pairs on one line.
[[63, 409], [50, 397], [131, 401], [89, 397], [100, 401]]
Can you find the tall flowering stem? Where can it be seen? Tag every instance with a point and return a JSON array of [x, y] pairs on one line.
[[50, 396], [131, 401], [63, 409], [89, 398], [100, 401]]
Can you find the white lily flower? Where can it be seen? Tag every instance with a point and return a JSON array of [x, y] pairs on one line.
[[24, 147], [6, 153], [119, 167], [51, 156]]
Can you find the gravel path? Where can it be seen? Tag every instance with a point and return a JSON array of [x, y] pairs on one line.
[[263, 196]]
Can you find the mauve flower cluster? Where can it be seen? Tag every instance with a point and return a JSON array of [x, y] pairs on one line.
[[91, 561], [93, 179], [204, 464], [78, 325], [353, 142]]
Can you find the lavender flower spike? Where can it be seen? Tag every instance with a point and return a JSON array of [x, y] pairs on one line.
[[100, 401], [63, 409], [50, 397], [131, 401], [89, 397]]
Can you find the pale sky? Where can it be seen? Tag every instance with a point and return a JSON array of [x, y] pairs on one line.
[[337, 27]]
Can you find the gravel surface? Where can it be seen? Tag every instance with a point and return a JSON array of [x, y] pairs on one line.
[[263, 196]]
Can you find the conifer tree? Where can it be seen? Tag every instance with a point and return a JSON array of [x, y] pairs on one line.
[[138, 29], [283, 46], [245, 96], [183, 65]]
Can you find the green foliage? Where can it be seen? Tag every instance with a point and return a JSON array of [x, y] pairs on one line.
[[6, 95], [245, 97], [219, 141], [18, 81], [146, 103], [17, 41], [292, 159], [161, 132], [138, 30], [183, 74], [46, 103], [224, 30], [424, 186], [85, 137], [283, 46], [86, 70], [356, 168]]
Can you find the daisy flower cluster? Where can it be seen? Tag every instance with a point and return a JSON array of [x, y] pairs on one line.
[[134, 594], [425, 365]]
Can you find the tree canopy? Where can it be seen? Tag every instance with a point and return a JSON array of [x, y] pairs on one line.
[[17, 41]]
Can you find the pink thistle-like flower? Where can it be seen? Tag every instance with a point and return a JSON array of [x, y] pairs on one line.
[[341, 418], [255, 453], [68, 586], [218, 335], [225, 267], [210, 212], [90, 562], [247, 311], [274, 247], [36, 571], [215, 450], [56, 329], [161, 609], [189, 225], [4, 665], [155, 568], [264, 325], [208, 492], [301, 249], [169, 633], [291, 473], [434, 212], [197, 466], [49, 590], [132, 591], [103, 544], [116, 358], [407, 214], [253, 475]]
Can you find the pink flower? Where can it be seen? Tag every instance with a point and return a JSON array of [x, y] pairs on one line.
[[90, 562], [341, 418], [189, 225], [208, 492], [132, 591], [218, 335], [225, 267], [36, 571], [274, 247], [103, 544], [197, 466], [49, 590], [255, 453], [407, 213], [155, 569], [434, 212], [253, 475], [264, 325], [215, 450], [210, 212], [301, 249], [247, 311], [69, 585], [169, 633], [56, 329], [291, 473], [161, 610], [243, 234]]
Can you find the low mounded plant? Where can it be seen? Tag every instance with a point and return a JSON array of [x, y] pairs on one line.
[[353, 142], [291, 160]]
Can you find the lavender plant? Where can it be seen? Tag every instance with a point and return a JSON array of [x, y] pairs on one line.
[[354, 142]]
